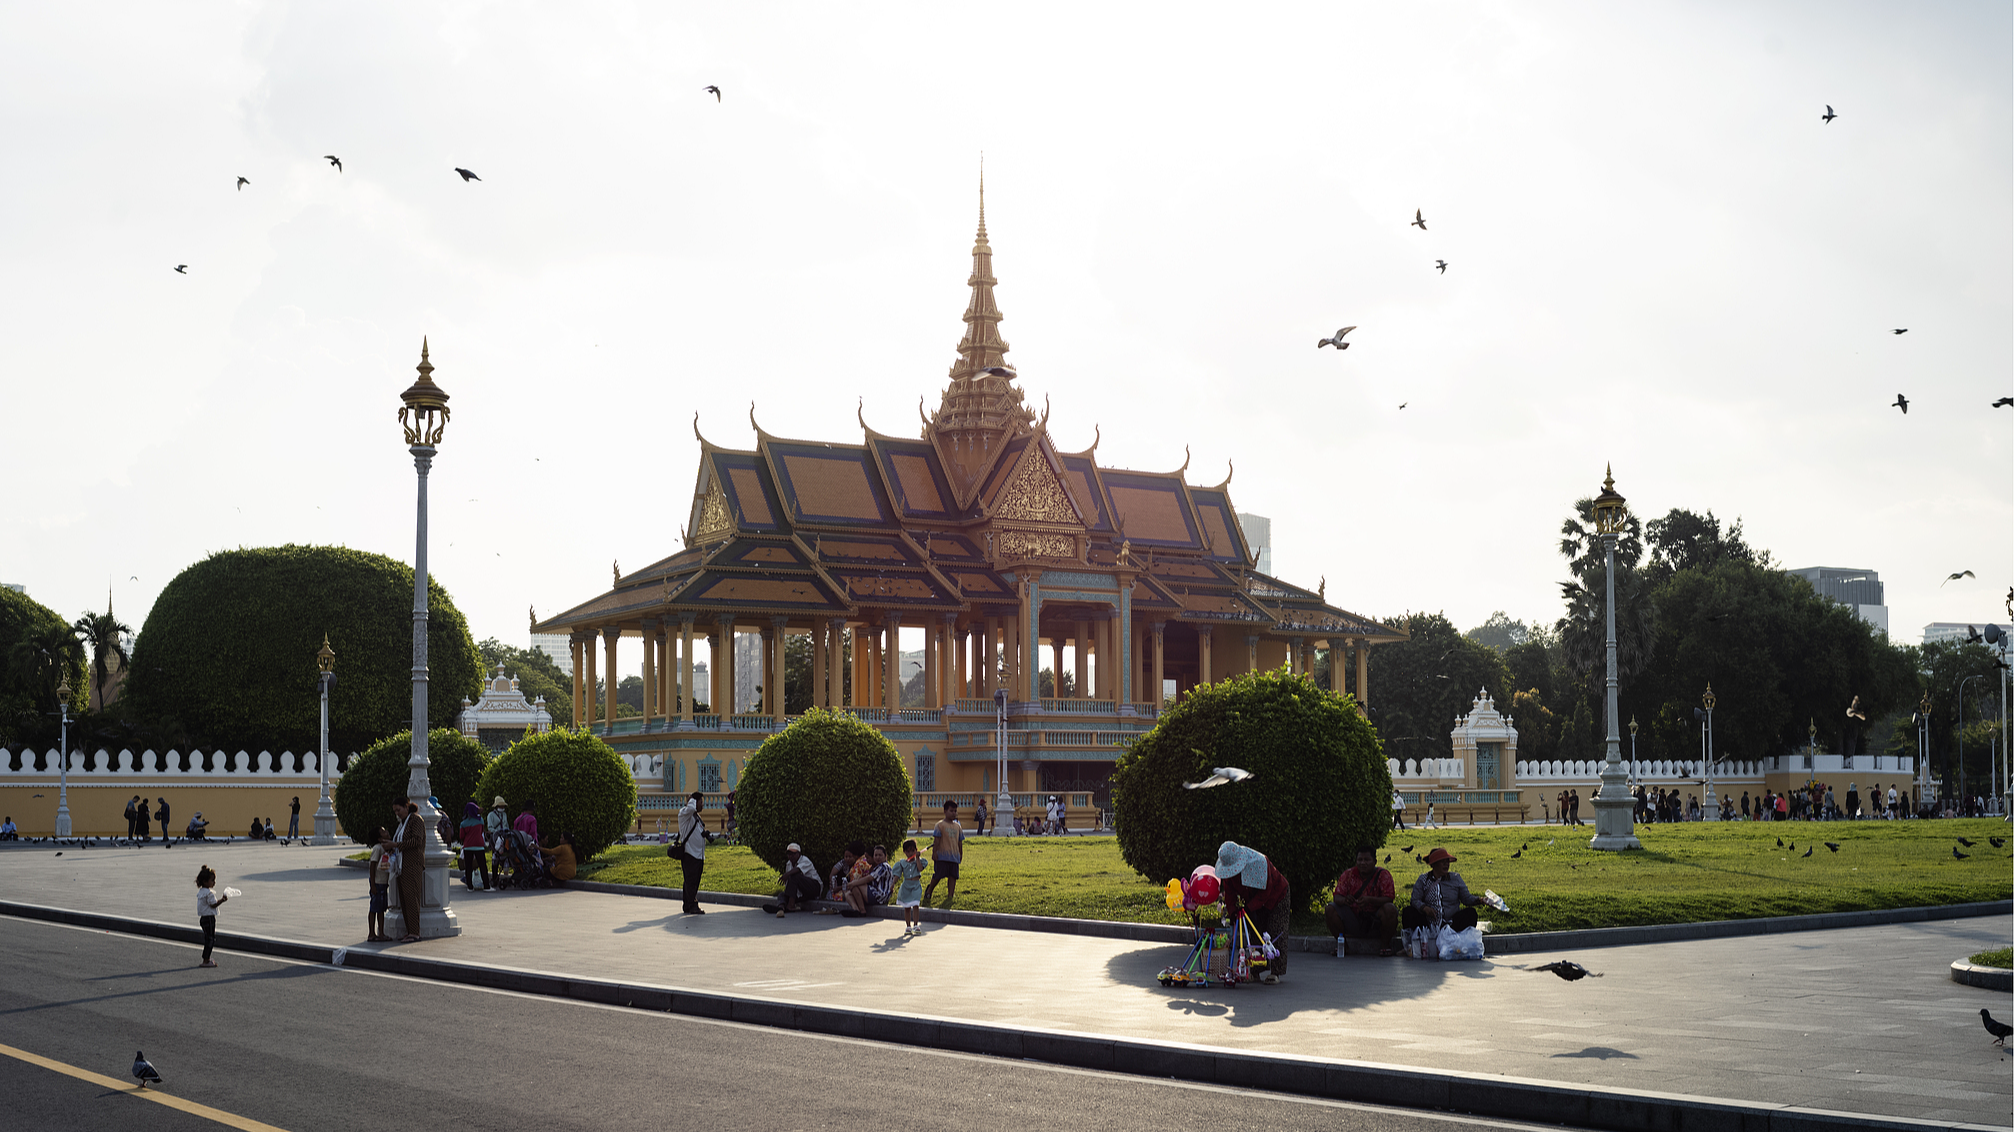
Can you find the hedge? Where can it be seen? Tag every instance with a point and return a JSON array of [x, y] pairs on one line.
[[581, 786], [825, 780], [380, 774]]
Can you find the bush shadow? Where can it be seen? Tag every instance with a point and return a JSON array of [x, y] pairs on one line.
[[1313, 982]]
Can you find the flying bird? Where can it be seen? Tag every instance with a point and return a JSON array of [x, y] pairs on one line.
[[1901, 330], [1828, 115], [1336, 341], [1007, 372], [1402, 405], [1813, 849], [1966, 843], [1832, 845], [1956, 855], [181, 269], [242, 182], [1997, 1028], [1442, 264], [144, 1069], [1219, 776], [466, 175], [2003, 402], [333, 160], [714, 91], [1902, 403], [1419, 221], [1566, 969], [1958, 575]]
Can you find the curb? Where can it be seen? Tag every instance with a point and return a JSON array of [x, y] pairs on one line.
[[1985, 978], [1401, 1087]]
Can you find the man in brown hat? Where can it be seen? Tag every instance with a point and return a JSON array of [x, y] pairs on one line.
[[1440, 897]]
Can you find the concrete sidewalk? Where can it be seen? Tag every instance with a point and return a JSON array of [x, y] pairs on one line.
[[1859, 1019]]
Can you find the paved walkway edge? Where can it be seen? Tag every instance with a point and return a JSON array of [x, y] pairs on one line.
[[1985, 978], [1503, 1098]]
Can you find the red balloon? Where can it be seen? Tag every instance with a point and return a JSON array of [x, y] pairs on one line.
[[1203, 887]]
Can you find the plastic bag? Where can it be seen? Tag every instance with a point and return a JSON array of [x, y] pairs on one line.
[[1464, 944], [1420, 944]]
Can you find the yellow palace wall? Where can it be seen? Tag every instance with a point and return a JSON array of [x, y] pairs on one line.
[[99, 809]]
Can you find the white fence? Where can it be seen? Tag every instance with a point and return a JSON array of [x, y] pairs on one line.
[[102, 764]]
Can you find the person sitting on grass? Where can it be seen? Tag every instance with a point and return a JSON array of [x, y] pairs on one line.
[[1363, 907], [800, 881], [870, 888], [1441, 897], [855, 858]]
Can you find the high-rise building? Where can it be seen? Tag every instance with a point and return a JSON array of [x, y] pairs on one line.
[[556, 646], [1956, 630], [1859, 590], [1259, 536]]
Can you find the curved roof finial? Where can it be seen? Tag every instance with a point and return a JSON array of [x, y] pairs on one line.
[[695, 430], [1096, 436], [751, 419], [1185, 462], [1227, 475], [860, 414], [1042, 426], [920, 414]]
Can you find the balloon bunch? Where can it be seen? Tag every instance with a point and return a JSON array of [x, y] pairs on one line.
[[1199, 891]]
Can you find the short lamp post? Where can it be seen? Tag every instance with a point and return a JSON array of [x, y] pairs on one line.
[[1003, 805], [1614, 821], [1923, 755], [325, 811], [63, 782], [1632, 753], [1711, 811], [424, 418]]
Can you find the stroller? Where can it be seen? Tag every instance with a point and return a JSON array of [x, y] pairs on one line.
[[514, 862]]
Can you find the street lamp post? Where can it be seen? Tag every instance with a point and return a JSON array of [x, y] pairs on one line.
[[325, 811], [1632, 753], [424, 419], [1923, 753], [1614, 822], [1712, 803], [1003, 803], [63, 782], [1964, 796]]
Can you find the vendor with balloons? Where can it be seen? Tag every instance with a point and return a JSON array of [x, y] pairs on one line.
[[1250, 883]]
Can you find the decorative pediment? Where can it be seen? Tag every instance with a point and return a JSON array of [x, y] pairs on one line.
[[1036, 544], [1035, 494], [715, 520]]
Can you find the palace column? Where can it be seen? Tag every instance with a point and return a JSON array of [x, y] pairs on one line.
[[933, 695], [1251, 652], [819, 634], [713, 668], [767, 704], [1056, 665], [862, 692], [961, 640], [835, 662], [1363, 673], [649, 671], [891, 661], [777, 668], [593, 685], [730, 675], [1158, 628], [609, 636], [1203, 654], [667, 669], [1080, 655], [579, 672], [685, 692]]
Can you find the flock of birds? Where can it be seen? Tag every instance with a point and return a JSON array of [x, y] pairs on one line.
[[1420, 221]]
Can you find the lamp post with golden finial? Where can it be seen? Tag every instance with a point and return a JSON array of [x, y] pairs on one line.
[[1614, 821], [425, 418], [63, 783], [1711, 810], [325, 811]]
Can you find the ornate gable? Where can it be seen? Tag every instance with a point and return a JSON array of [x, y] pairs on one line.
[[1035, 493], [715, 521]]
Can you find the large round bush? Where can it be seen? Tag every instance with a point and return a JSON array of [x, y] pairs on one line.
[[581, 786], [228, 651], [1319, 785], [825, 780], [365, 792]]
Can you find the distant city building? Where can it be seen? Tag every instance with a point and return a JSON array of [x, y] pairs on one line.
[[1259, 536], [15, 586], [1858, 590], [1956, 630], [556, 646]]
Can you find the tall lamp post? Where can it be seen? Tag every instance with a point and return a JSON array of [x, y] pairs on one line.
[[1712, 803], [63, 783], [1614, 822], [1003, 803], [1923, 754], [325, 811], [424, 418], [1964, 795]]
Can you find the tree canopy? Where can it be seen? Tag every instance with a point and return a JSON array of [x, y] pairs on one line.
[[37, 650]]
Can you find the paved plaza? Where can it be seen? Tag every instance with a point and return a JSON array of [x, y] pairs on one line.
[[1861, 1019]]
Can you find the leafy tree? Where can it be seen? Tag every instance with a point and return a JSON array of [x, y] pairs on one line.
[[825, 780], [229, 649], [1500, 632], [364, 794], [37, 651], [536, 674], [1685, 541], [1583, 631], [1046, 684], [104, 633], [580, 784], [797, 673], [1319, 786], [1419, 685]]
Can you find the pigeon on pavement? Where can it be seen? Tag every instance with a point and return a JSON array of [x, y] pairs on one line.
[[2000, 1030], [144, 1070], [1566, 969], [1219, 776]]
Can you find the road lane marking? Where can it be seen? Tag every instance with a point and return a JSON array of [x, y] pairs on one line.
[[245, 1123]]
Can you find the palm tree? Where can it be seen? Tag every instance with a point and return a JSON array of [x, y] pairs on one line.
[[49, 651], [104, 633]]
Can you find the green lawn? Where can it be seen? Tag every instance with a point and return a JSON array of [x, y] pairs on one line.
[[1688, 872], [2001, 958]]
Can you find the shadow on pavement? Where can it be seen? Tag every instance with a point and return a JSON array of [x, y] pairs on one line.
[[1304, 987]]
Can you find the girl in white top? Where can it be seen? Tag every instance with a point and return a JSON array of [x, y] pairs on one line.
[[207, 902]]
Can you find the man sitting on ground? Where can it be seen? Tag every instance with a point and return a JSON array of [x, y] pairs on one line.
[[7, 830], [1441, 897], [843, 870], [197, 828], [1364, 906], [870, 888], [800, 881]]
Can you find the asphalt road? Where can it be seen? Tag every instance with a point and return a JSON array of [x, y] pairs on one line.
[[305, 1047]]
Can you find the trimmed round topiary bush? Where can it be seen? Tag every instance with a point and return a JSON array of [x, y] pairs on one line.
[[825, 780], [1319, 784], [228, 650], [581, 786], [363, 796]]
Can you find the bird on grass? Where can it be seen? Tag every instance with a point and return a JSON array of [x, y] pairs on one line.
[[181, 269], [1516, 855], [1958, 575], [1828, 115], [144, 1070], [1956, 855], [714, 91], [1967, 842], [1779, 843], [1524, 847], [1419, 221], [1566, 969], [467, 176], [1832, 845], [333, 160], [1405, 848], [1388, 858], [1442, 265], [1810, 851], [1219, 776], [1997, 842], [1901, 403], [1997, 1028], [1793, 847], [242, 182], [1336, 341]]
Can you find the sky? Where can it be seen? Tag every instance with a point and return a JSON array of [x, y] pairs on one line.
[[1660, 258]]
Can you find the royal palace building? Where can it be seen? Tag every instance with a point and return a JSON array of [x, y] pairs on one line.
[[1010, 556]]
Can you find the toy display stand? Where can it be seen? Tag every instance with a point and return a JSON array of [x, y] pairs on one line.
[[1224, 955]]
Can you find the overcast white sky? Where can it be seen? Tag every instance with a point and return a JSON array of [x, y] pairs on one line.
[[1658, 256]]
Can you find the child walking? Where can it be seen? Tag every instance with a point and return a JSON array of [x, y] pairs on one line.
[[909, 894], [207, 902], [381, 894]]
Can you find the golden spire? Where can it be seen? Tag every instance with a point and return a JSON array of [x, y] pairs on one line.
[[982, 346]]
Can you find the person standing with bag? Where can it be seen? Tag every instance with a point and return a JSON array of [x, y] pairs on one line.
[[411, 843], [690, 849]]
